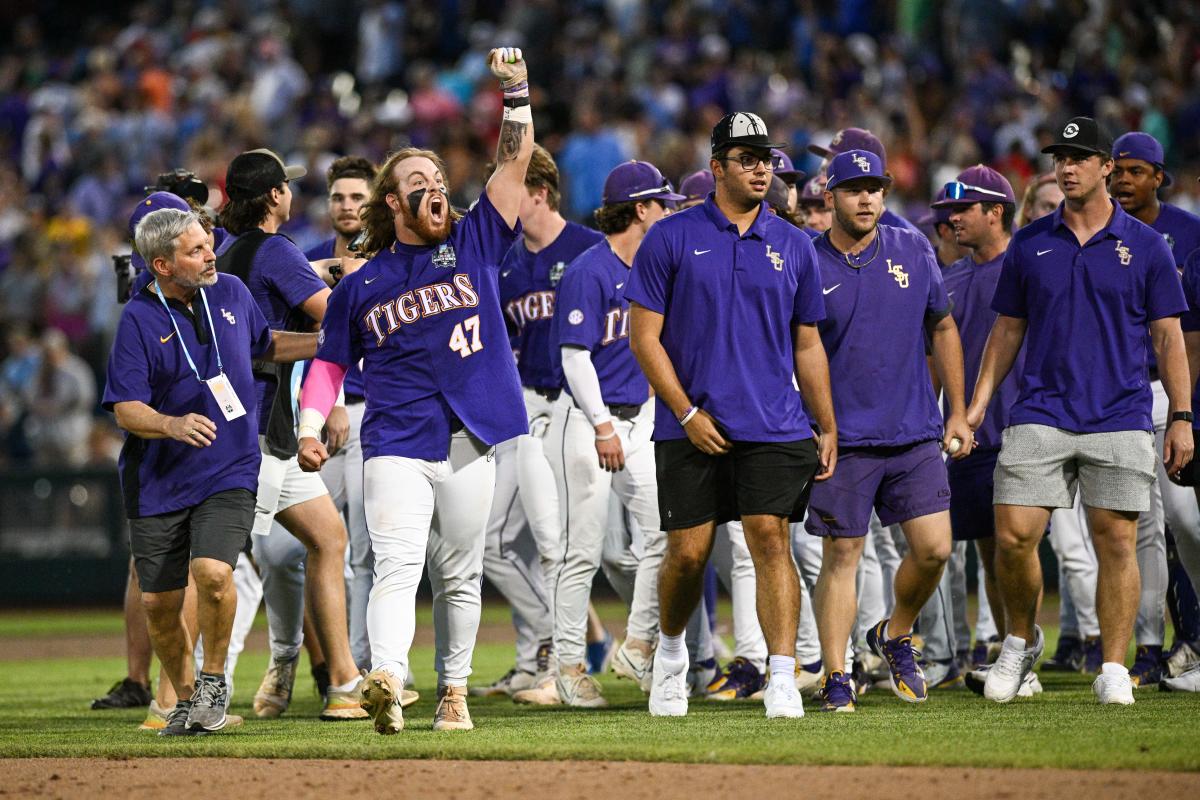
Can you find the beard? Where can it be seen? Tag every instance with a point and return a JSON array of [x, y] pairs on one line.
[[201, 281], [347, 228], [431, 228], [851, 224]]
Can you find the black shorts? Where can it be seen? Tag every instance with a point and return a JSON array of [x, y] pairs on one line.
[[164, 545], [753, 478]]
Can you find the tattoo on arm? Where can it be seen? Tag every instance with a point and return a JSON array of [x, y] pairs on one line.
[[511, 136]]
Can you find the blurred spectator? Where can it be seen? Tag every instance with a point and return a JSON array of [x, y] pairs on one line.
[[59, 399]]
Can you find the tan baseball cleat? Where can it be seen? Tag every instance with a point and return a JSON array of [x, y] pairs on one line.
[[452, 713], [380, 690], [343, 705]]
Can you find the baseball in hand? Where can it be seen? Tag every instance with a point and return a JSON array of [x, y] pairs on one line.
[[955, 446]]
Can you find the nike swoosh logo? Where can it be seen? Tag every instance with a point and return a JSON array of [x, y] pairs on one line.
[[701, 252], [619, 285], [368, 281], [167, 338], [830, 289], [506, 273], [1043, 252], [949, 294]]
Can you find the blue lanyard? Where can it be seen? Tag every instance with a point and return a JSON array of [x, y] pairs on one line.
[[179, 336]]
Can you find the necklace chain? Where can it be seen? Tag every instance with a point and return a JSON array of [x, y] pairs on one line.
[[878, 245]]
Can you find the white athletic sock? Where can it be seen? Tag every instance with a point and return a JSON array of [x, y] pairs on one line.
[[1113, 668], [782, 667], [346, 687], [672, 648]]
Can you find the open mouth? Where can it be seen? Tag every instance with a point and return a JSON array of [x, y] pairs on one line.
[[437, 209]]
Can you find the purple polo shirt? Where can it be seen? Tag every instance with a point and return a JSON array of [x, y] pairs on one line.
[[595, 315], [1180, 229], [970, 287], [147, 364], [1190, 321], [528, 282], [877, 305], [353, 385], [426, 321], [1087, 309], [729, 302], [280, 280]]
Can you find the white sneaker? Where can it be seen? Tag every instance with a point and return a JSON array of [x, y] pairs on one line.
[[577, 688], [1181, 660], [808, 682], [668, 689], [782, 699], [1007, 675], [976, 679], [1187, 682], [1113, 685], [634, 664], [512, 681]]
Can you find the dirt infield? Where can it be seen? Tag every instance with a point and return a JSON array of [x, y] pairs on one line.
[[135, 778]]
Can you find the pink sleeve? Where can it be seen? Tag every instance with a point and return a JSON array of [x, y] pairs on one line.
[[321, 387]]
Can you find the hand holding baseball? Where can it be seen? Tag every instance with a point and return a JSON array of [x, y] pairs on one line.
[[508, 64]]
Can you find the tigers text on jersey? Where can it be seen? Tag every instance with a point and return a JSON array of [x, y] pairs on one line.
[[595, 315], [426, 321], [528, 283]]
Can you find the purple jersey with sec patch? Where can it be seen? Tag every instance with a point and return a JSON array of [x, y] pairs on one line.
[[876, 309], [280, 279], [528, 282], [595, 315], [426, 321], [353, 384], [1180, 230], [148, 365], [1087, 309], [970, 287], [729, 302]]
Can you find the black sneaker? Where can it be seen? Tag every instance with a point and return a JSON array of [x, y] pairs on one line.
[[177, 721], [320, 676], [1068, 656], [126, 693], [208, 703]]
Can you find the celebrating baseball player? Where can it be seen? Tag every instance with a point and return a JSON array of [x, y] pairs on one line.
[[883, 293], [424, 316], [599, 438], [725, 298]]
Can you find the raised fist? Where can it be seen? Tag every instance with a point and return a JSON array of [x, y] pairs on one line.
[[507, 64]]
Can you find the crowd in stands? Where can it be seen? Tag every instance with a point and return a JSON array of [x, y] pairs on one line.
[[93, 108]]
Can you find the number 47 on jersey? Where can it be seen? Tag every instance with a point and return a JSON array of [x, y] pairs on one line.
[[465, 338]]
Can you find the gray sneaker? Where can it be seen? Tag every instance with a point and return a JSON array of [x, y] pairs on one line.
[[177, 721], [208, 703]]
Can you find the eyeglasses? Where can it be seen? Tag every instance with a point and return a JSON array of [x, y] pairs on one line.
[[956, 189], [749, 161]]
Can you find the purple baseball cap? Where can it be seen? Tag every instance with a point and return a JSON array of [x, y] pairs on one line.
[[697, 185], [784, 167], [149, 204], [636, 181], [1144, 147], [851, 139], [854, 164], [977, 184], [777, 193], [812, 193]]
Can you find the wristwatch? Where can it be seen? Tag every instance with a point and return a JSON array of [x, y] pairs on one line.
[[1182, 416]]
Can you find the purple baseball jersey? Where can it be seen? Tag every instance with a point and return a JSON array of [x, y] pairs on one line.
[[528, 282], [1190, 321], [729, 302], [1180, 229], [894, 220], [147, 364], [1087, 308], [595, 315], [876, 308], [970, 287], [353, 384], [280, 279], [426, 321]]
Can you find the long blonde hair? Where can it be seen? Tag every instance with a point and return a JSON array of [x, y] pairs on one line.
[[379, 221]]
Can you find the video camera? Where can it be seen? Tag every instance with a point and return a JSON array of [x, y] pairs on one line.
[[181, 183]]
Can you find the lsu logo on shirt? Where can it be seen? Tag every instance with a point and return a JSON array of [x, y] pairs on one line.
[[776, 259], [1123, 254], [530, 307], [427, 301], [897, 272]]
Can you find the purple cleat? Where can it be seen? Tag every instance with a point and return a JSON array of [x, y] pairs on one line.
[[837, 693], [908, 681], [739, 680]]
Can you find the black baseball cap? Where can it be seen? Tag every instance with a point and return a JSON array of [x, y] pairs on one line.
[[1084, 134], [256, 172], [742, 128]]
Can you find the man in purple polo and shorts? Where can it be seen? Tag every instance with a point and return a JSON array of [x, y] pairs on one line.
[[883, 294]]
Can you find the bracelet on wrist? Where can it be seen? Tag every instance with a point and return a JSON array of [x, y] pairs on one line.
[[606, 438], [687, 415], [516, 102]]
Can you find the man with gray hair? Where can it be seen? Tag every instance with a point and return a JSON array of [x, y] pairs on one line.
[[178, 378]]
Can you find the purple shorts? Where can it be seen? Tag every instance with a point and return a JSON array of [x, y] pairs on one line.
[[971, 487], [899, 483]]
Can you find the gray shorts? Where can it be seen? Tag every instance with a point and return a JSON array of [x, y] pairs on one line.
[[1042, 466]]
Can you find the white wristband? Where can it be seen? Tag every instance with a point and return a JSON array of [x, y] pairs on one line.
[[311, 423], [686, 418], [520, 114], [612, 435]]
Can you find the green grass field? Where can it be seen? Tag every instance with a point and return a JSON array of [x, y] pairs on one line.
[[44, 712]]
